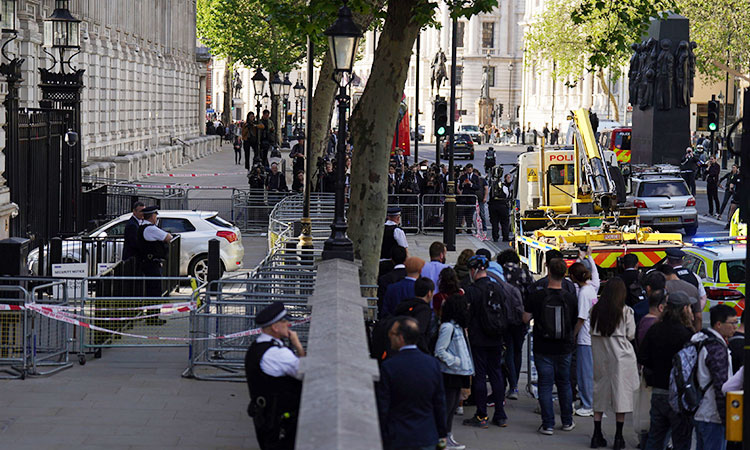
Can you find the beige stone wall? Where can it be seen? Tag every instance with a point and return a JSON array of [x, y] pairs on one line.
[[142, 82]]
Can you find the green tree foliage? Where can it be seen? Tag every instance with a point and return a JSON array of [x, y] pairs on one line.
[[721, 28], [249, 33]]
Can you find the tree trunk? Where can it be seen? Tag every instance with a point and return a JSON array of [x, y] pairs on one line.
[[321, 109], [226, 115], [610, 96], [325, 94], [372, 132]]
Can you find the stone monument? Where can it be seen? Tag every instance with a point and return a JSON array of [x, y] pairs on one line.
[[661, 79], [485, 103]]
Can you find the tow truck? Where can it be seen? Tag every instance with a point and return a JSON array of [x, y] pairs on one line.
[[572, 198]]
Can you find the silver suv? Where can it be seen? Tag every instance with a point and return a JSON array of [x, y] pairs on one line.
[[663, 201]]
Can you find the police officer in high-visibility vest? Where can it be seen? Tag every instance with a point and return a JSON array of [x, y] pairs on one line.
[[272, 370], [152, 250], [674, 259]]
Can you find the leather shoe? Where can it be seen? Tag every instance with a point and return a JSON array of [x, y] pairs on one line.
[[619, 443], [598, 441]]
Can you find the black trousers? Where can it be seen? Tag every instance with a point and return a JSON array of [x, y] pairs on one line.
[[280, 438], [487, 362], [727, 197], [499, 218], [152, 269], [247, 145], [712, 189], [689, 178]]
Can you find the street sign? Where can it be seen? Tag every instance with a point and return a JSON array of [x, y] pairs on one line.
[[71, 270]]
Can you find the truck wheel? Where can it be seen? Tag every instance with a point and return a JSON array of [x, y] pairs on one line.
[[690, 231]]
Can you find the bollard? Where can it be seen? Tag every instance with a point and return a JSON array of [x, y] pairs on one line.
[[214, 262], [55, 250]]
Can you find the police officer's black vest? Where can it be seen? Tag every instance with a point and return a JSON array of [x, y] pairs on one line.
[[282, 393], [150, 250], [496, 191], [389, 240], [686, 275]]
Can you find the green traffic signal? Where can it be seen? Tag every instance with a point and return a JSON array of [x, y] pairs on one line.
[[441, 131], [712, 126], [713, 115]]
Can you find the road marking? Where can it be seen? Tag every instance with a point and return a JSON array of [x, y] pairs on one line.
[[711, 220]]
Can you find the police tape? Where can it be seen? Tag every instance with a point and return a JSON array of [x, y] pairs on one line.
[[173, 186], [121, 319], [191, 305], [194, 175], [63, 317]]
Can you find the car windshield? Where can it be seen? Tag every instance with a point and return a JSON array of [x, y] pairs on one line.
[[463, 137], [663, 189], [469, 128], [622, 140]]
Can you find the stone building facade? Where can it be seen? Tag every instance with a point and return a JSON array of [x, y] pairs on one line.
[[142, 109], [497, 33]]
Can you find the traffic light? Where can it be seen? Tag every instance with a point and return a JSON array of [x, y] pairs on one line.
[[500, 110], [441, 118], [713, 115]]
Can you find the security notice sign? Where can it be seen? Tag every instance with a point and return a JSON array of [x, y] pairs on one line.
[[72, 272]]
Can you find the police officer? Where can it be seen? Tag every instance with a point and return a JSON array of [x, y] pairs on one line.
[[498, 204], [392, 235], [271, 370], [130, 247], [152, 250], [674, 259]]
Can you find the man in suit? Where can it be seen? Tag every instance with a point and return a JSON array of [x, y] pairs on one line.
[[130, 247], [411, 396], [404, 289], [398, 159], [396, 274]]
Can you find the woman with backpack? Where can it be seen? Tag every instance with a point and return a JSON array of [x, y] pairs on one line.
[[584, 359], [462, 267], [615, 367], [455, 359]]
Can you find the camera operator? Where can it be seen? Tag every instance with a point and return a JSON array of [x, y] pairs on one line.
[[433, 187], [298, 155], [257, 177], [328, 182], [688, 166], [468, 188]]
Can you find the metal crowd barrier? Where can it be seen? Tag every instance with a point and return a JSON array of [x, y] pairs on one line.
[[251, 209], [13, 333], [433, 212], [50, 338]]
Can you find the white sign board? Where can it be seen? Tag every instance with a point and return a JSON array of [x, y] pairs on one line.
[[76, 289]]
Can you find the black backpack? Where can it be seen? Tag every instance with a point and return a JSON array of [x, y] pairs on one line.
[[554, 321], [493, 316], [512, 299], [635, 294], [380, 344]]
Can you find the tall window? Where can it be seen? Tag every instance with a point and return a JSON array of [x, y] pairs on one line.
[[460, 28], [491, 76], [488, 35]]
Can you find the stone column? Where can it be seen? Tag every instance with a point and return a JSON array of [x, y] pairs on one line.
[[201, 105]]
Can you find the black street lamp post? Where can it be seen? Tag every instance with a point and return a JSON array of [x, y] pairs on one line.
[[286, 87], [259, 84], [275, 85], [343, 37], [449, 223], [299, 91]]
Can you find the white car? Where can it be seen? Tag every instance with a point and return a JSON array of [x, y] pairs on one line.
[[195, 228], [473, 131]]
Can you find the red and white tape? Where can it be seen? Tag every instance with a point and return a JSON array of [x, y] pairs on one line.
[[173, 186], [129, 308], [194, 175], [62, 316], [121, 319]]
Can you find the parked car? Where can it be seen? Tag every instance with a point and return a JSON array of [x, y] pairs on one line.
[[464, 146], [720, 263], [471, 130], [195, 229], [663, 201]]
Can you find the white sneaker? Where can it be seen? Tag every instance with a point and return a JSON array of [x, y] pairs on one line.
[[568, 427], [460, 411], [583, 412], [453, 445]]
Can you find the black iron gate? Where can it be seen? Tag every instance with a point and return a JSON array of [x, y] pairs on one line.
[[41, 175]]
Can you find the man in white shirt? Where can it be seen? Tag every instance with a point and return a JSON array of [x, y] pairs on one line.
[[152, 250], [272, 371]]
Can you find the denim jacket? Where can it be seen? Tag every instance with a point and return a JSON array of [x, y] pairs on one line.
[[452, 350]]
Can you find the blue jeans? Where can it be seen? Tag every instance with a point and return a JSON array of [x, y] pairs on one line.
[[585, 375], [554, 369], [710, 436], [514, 338]]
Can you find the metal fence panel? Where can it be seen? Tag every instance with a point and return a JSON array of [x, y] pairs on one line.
[[13, 332]]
